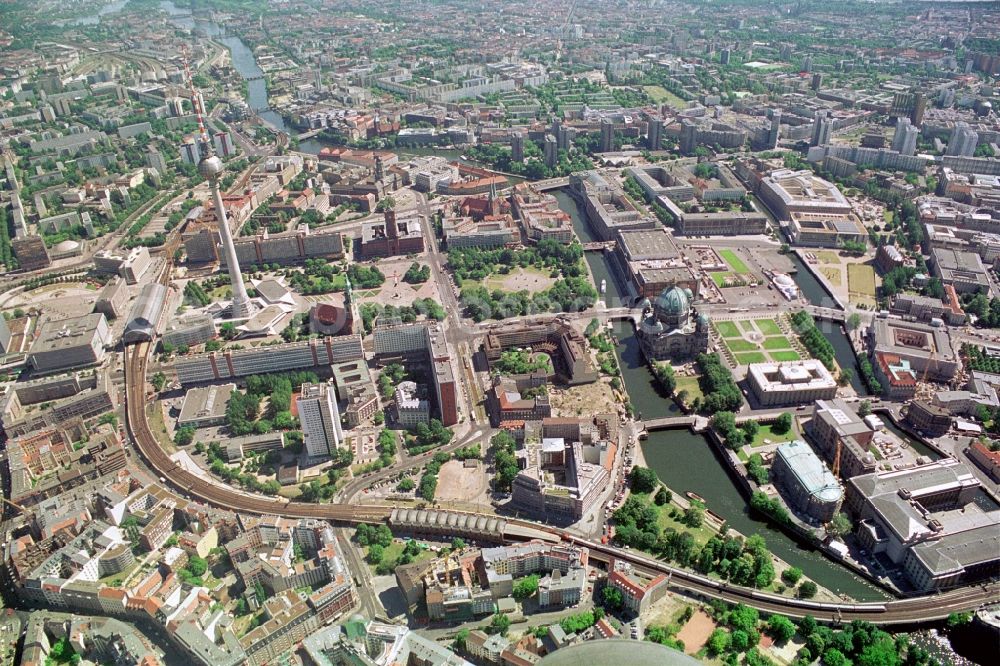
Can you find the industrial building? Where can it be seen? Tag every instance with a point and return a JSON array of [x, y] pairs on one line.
[[806, 484], [790, 383]]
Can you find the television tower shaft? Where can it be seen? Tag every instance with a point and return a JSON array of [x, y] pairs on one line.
[[210, 167]]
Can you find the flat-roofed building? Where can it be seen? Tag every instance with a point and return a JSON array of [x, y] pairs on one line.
[[962, 270], [806, 483], [70, 343], [786, 192], [112, 300], [653, 263], [31, 253], [835, 425], [927, 349], [205, 406], [925, 520], [791, 383], [826, 229], [195, 330], [230, 364], [320, 418]]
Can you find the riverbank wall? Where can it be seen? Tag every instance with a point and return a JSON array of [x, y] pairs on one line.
[[821, 279]]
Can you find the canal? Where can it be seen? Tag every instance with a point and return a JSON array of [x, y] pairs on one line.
[[686, 461], [814, 292]]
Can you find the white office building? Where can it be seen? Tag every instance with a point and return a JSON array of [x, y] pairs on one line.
[[320, 419]]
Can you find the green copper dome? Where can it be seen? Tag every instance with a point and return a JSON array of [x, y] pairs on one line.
[[674, 301]]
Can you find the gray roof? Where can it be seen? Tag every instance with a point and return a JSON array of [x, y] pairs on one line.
[[810, 471], [145, 315]]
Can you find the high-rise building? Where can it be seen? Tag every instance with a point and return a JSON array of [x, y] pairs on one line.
[[773, 132], [963, 141], [320, 419], [904, 141], [919, 107], [607, 136], [807, 64], [190, 152], [551, 151], [654, 133], [724, 56], [31, 252], [689, 136], [154, 159], [822, 128], [223, 144], [517, 147], [817, 81]]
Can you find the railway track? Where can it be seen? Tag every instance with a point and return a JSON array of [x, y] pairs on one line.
[[932, 608]]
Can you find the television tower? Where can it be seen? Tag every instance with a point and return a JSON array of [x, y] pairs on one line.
[[210, 167]]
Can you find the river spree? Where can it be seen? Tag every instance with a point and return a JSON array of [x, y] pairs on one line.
[[242, 57], [686, 461]]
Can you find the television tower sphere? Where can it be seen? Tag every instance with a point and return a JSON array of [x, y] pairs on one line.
[[210, 167]]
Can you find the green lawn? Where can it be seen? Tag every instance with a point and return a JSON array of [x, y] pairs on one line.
[[394, 551], [746, 326], [782, 356], [768, 327], [861, 283], [728, 329], [719, 277], [777, 342], [746, 358], [689, 384], [659, 94], [766, 433], [734, 261], [741, 345]]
